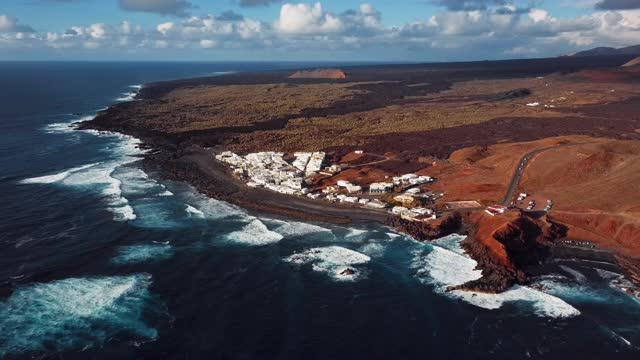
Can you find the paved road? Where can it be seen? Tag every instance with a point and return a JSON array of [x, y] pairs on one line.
[[524, 161], [515, 179]]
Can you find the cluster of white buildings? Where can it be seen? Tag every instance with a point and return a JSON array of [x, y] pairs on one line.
[[270, 170], [380, 188], [373, 204], [351, 188], [309, 162], [414, 214], [411, 179]]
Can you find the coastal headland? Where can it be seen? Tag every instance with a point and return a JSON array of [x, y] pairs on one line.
[[525, 156]]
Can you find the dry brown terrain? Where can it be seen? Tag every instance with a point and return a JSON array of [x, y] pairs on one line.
[[468, 124], [319, 74]]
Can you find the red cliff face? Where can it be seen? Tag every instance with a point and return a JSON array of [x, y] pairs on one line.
[[319, 74], [504, 246]]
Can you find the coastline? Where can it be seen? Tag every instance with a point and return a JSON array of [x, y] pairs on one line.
[[188, 156]]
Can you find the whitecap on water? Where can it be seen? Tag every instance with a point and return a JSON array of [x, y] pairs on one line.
[[100, 176], [127, 96], [335, 261], [65, 127], [166, 193], [194, 212], [211, 208], [374, 249], [49, 179], [446, 265], [575, 273], [254, 233], [74, 313], [356, 234], [295, 228], [142, 253]]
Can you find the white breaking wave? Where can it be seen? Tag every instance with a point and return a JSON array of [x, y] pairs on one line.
[[137, 87], [127, 96], [254, 233], [212, 208], [576, 292], [445, 267], [356, 234], [335, 261], [576, 274], [141, 253], [374, 249], [50, 179], [193, 211], [65, 127], [101, 175], [295, 228], [166, 193], [607, 275], [74, 313]]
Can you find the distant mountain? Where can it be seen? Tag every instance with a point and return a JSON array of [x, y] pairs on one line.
[[599, 51]]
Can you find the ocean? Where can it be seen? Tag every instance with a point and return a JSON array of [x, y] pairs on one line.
[[101, 260]]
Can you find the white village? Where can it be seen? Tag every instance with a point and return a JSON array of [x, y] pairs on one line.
[[297, 176]]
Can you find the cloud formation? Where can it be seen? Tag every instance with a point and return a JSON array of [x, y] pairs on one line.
[[163, 7], [468, 5], [9, 24], [252, 3], [618, 5], [492, 30]]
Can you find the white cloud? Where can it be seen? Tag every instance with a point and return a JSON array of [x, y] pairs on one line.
[[464, 34], [306, 19], [164, 28], [164, 7], [10, 24], [208, 44]]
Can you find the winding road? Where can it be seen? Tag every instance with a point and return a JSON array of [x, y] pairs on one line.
[[522, 164], [524, 161]]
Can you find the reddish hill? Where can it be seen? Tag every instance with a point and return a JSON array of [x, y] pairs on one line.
[[633, 62], [505, 245], [319, 74]]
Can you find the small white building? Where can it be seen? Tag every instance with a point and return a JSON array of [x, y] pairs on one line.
[[330, 190], [380, 188], [413, 191], [397, 210], [353, 188], [350, 199], [405, 199], [343, 183], [376, 204]]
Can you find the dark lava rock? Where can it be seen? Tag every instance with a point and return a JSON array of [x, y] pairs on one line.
[[347, 271], [512, 94]]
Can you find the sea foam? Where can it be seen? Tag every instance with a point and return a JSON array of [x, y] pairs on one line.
[[194, 212], [295, 228], [142, 253], [101, 176], [254, 233], [332, 261], [74, 313], [447, 265]]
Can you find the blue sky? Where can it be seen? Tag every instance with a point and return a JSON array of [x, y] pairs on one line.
[[401, 30]]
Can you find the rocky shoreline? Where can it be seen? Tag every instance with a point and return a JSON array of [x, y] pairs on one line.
[[504, 247]]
